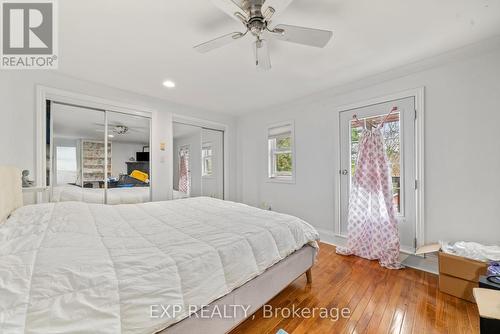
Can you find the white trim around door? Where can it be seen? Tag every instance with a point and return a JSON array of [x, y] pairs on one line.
[[419, 95]]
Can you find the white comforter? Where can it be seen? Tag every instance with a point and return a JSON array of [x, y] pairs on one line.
[[90, 268]]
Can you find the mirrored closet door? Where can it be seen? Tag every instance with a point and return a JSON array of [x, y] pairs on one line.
[[198, 161], [97, 156]]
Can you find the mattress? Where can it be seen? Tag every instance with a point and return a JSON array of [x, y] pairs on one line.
[[91, 268], [133, 195]]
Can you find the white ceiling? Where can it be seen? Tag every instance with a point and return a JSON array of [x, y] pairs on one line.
[[136, 45], [81, 123]]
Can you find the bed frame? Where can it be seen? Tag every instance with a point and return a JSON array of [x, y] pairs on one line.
[[254, 293]]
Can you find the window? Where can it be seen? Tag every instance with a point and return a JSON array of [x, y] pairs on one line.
[[66, 164], [281, 153], [206, 158]]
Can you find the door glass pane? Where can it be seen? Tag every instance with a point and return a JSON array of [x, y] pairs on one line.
[[392, 140], [129, 172]]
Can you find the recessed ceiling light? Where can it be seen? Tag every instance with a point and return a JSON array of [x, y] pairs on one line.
[[111, 136], [169, 84]]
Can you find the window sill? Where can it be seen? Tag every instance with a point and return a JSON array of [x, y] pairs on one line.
[[289, 180]]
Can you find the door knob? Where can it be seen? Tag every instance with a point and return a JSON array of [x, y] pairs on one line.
[[345, 172]]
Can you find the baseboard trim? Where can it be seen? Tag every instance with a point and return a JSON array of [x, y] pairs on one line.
[[427, 263]]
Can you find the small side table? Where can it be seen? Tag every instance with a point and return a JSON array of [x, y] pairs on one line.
[[488, 303]]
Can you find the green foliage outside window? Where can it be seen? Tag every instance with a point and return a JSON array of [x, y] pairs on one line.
[[284, 162], [284, 143]]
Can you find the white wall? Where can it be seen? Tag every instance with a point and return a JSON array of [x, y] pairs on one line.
[[462, 148], [17, 122]]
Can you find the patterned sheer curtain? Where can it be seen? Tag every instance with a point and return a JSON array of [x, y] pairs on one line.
[[372, 226], [184, 182]]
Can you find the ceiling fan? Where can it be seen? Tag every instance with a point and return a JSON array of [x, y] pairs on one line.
[[256, 16], [119, 129]]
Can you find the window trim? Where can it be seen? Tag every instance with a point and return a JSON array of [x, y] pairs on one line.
[[269, 160]]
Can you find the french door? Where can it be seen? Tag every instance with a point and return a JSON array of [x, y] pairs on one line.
[[399, 138]]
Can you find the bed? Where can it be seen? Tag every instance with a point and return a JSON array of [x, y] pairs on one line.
[[70, 192], [93, 268]]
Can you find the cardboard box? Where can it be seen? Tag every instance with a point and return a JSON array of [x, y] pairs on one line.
[[458, 276]]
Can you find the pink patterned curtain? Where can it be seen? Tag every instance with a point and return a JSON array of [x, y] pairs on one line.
[[184, 173], [372, 227]]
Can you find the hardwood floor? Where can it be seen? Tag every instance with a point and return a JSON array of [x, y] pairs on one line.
[[380, 301]]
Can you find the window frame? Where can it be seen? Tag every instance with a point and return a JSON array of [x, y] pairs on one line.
[[272, 152]]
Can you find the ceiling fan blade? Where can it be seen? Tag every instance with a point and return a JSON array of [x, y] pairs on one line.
[[218, 42], [301, 35], [262, 56], [231, 7], [278, 6]]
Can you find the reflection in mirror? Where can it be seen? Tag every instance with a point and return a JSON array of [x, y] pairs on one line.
[[198, 162], [187, 161], [212, 155], [80, 167], [129, 167], [77, 151]]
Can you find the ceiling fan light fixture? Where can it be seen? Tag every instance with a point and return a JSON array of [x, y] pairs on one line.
[[120, 129], [268, 14], [256, 15]]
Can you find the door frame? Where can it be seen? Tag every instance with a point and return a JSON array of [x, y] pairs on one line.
[[419, 95]]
